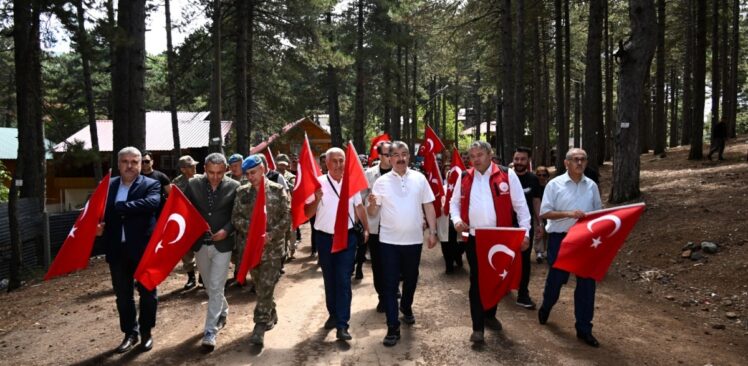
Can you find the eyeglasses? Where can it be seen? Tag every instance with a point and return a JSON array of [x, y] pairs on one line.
[[578, 160], [544, 175], [146, 161], [385, 154]]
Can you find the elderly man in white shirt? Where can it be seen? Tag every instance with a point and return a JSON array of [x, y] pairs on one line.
[[489, 196], [401, 197], [566, 199], [336, 267]]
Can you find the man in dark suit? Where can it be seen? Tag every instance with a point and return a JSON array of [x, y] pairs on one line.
[[128, 223], [213, 194]]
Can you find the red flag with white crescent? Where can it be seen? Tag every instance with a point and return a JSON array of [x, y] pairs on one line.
[[455, 172], [373, 153], [76, 249], [178, 227], [354, 181], [256, 235], [499, 254], [306, 184], [269, 157], [434, 177], [593, 242], [431, 143]]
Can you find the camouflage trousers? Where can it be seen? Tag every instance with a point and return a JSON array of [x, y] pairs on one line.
[[188, 261], [265, 277], [290, 242]]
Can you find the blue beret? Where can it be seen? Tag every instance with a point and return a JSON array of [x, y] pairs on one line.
[[251, 162], [234, 158]]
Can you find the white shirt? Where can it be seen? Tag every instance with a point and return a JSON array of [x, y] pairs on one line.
[[481, 212], [372, 174], [562, 194], [122, 192], [401, 213], [328, 206]]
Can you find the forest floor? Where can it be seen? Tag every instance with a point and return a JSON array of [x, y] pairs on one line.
[[655, 307]]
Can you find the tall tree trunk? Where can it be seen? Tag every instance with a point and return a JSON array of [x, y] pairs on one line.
[[688, 69], [478, 102], [443, 114], [171, 77], [645, 127], [562, 127], [734, 61], [519, 82], [242, 142], [660, 120], [414, 99], [332, 94], [359, 116], [435, 86], [507, 79], [215, 138], [457, 106], [397, 110], [128, 77], [545, 100], [537, 93], [635, 59], [593, 88], [609, 117], [567, 70], [576, 122], [250, 68], [716, 69], [699, 81], [387, 93], [725, 63], [406, 136], [85, 53], [673, 108]]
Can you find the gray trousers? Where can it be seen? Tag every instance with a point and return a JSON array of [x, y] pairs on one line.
[[213, 265]]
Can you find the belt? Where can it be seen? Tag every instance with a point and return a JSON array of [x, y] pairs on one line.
[[328, 234]]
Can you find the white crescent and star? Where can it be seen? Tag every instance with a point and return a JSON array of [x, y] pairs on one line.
[[613, 218], [182, 226], [500, 248], [430, 142], [298, 177]]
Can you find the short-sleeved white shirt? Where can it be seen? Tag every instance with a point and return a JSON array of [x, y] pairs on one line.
[[328, 206], [562, 194], [401, 213]]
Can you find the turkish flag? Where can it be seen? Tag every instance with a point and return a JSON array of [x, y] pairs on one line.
[[255, 235], [169, 242], [76, 249], [354, 181], [499, 254], [269, 157], [454, 173], [373, 153], [434, 177], [591, 244], [306, 184], [431, 143]]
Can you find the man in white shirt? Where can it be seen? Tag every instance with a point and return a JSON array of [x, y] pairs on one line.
[[401, 197], [372, 174], [566, 199], [336, 267], [489, 195]]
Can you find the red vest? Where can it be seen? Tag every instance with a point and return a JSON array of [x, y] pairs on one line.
[[502, 201]]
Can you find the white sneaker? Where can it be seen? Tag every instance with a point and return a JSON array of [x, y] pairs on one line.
[[209, 341]]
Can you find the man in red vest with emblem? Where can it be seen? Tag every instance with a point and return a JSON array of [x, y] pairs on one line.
[[489, 194]]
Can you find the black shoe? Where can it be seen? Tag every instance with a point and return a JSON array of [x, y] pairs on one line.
[[380, 307], [589, 339], [230, 282], [408, 317], [543, 315], [449, 270], [221, 323], [399, 294], [359, 272], [539, 259], [200, 280], [271, 324], [343, 334], [526, 302], [477, 337], [129, 342], [258, 335], [493, 324], [330, 323], [190, 281], [147, 343], [393, 335], [458, 262]]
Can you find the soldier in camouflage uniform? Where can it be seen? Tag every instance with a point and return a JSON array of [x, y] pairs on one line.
[[266, 274], [282, 163], [187, 166]]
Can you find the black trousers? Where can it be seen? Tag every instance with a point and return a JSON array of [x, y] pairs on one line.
[[477, 314], [376, 264], [123, 282], [314, 241], [525, 280], [451, 249], [360, 252], [718, 147]]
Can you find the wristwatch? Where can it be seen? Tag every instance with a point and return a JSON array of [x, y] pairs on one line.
[[432, 231]]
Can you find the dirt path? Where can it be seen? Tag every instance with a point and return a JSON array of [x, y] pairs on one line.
[[73, 321]]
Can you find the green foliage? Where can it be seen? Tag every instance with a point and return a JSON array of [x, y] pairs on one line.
[[4, 178]]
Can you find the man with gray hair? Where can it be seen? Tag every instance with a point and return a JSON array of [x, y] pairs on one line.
[[213, 194]]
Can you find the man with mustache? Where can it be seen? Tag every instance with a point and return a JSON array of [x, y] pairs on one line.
[[402, 196]]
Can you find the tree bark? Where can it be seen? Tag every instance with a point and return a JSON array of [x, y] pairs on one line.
[[635, 59], [240, 121], [660, 120], [576, 122], [609, 117], [567, 71], [688, 74], [699, 76], [519, 81], [734, 61], [562, 127], [645, 127], [386, 94], [250, 68], [716, 69], [508, 86], [538, 147], [395, 124], [725, 63], [215, 138], [171, 77], [332, 94], [593, 88], [414, 99], [85, 53], [673, 108], [405, 133]]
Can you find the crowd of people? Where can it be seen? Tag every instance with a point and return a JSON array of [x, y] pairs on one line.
[[388, 225]]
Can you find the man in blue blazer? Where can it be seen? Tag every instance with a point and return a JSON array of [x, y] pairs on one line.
[[128, 223]]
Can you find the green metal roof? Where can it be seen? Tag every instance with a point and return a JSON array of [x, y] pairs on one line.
[[9, 144]]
